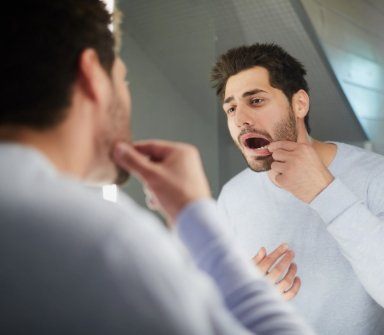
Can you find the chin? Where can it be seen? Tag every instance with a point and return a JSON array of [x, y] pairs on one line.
[[259, 164]]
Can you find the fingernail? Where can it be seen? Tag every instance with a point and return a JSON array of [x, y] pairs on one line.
[[284, 246], [119, 150]]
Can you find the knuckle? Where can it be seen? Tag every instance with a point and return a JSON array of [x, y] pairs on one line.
[[286, 282], [280, 268], [191, 148], [268, 259]]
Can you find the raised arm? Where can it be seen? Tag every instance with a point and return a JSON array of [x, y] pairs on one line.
[[174, 174]]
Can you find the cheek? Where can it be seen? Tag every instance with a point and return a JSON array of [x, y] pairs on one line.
[[233, 129], [126, 94], [273, 116], [123, 104]]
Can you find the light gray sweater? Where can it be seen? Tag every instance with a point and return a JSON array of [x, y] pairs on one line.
[[338, 239], [72, 263]]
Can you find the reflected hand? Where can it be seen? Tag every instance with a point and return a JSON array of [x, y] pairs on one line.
[[279, 269], [298, 168]]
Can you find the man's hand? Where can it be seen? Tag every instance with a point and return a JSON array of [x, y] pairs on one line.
[[172, 173], [279, 269], [297, 167]]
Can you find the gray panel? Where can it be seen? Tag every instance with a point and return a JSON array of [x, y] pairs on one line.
[[352, 33]]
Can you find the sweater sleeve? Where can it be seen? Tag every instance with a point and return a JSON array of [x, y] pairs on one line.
[[358, 231], [248, 296]]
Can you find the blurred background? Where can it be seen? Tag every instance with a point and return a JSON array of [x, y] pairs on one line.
[[170, 47]]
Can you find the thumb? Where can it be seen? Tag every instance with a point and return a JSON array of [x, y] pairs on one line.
[[302, 133], [131, 160]]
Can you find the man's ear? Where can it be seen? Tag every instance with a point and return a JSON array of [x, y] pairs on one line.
[[93, 79], [300, 103]]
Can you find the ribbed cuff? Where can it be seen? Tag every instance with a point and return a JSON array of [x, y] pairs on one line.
[[333, 201]]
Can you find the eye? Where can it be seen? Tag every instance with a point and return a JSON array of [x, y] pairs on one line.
[[256, 101], [230, 110]]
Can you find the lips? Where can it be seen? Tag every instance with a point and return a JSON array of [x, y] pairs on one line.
[[255, 143]]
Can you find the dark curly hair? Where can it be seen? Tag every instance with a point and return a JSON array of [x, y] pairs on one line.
[[285, 72], [43, 42]]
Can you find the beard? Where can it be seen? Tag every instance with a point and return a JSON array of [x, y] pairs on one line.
[[285, 130], [122, 176], [115, 128]]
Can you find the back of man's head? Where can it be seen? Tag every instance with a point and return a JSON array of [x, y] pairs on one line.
[[42, 46]]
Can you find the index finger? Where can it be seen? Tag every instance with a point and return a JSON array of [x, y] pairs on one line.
[[132, 160], [284, 145], [155, 149], [269, 260]]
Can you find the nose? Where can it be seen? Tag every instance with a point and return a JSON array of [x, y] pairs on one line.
[[244, 116]]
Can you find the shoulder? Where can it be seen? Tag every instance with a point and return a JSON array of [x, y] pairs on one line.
[[358, 161], [64, 208]]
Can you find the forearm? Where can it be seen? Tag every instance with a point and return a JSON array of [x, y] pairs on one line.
[[248, 296], [359, 233]]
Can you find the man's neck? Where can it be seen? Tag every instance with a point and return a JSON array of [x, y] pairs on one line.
[[326, 151]]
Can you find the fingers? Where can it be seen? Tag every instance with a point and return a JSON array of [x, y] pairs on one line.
[[302, 134], [279, 269], [150, 199], [269, 260], [292, 292], [278, 167], [131, 160], [281, 155], [285, 283], [281, 266], [282, 145], [259, 256], [157, 150]]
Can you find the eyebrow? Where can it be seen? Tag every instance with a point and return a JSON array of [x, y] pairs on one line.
[[245, 94]]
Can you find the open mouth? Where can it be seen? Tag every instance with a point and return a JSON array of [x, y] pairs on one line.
[[256, 143]]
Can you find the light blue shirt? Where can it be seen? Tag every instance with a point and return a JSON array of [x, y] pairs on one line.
[[338, 239], [72, 263]]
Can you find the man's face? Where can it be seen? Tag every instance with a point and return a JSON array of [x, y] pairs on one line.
[[257, 114], [115, 125]]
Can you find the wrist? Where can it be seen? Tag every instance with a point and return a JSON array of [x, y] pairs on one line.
[[323, 184]]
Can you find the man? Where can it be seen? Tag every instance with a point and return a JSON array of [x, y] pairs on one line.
[[72, 263], [325, 200]]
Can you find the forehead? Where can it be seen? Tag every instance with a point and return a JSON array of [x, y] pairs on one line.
[[250, 79]]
